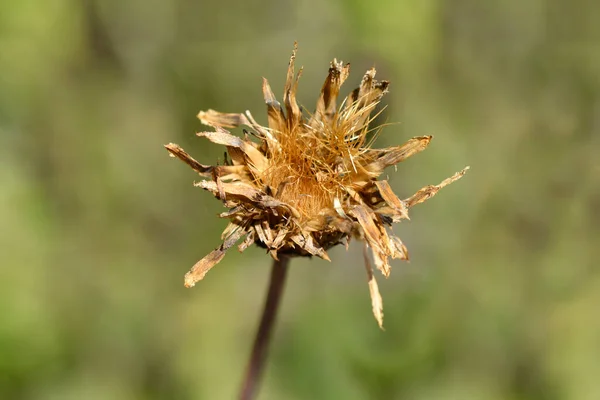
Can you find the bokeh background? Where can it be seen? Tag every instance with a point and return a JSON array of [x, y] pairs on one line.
[[501, 299]]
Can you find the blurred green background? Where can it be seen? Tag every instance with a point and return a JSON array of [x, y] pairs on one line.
[[501, 299]]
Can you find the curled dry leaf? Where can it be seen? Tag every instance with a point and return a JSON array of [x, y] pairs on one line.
[[305, 184]]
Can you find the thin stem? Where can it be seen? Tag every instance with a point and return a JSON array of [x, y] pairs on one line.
[[263, 335]]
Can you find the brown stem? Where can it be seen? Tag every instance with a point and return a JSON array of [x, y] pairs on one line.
[[263, 335]]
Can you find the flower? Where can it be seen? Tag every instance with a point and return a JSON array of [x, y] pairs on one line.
[[307, 183]]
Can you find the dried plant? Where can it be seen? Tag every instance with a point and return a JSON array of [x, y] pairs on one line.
[[306, 184], [309, 183]]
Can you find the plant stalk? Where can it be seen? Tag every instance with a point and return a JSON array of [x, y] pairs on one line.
[[258, 356]]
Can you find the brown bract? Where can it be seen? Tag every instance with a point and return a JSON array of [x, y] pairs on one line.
[[307, 183]]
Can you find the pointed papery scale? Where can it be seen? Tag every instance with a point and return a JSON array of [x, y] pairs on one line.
[[400, 208], [326, 105], [429, 191], [289, 93], [376, 300], [200, 269]]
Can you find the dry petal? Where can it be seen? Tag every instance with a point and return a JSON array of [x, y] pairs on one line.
[[216, 119], [176, 151], [376, 300], [391, 199], [221, 136], [326, 105], [394, 155], [250, 238], [289, 93], [429, 191], [200, 269]]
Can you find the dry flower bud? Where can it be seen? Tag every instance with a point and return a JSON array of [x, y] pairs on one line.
[[308, 183]]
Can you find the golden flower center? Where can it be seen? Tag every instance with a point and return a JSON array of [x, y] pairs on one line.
[[299, 180]]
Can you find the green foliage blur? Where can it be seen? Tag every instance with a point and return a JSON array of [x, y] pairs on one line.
[[501, 299]]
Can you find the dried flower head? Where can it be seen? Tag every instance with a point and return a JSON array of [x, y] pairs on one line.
[[306, 184]]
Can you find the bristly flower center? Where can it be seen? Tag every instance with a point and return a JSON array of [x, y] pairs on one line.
[[309, 182]]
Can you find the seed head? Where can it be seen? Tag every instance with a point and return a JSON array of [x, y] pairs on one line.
[[306, 183]]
